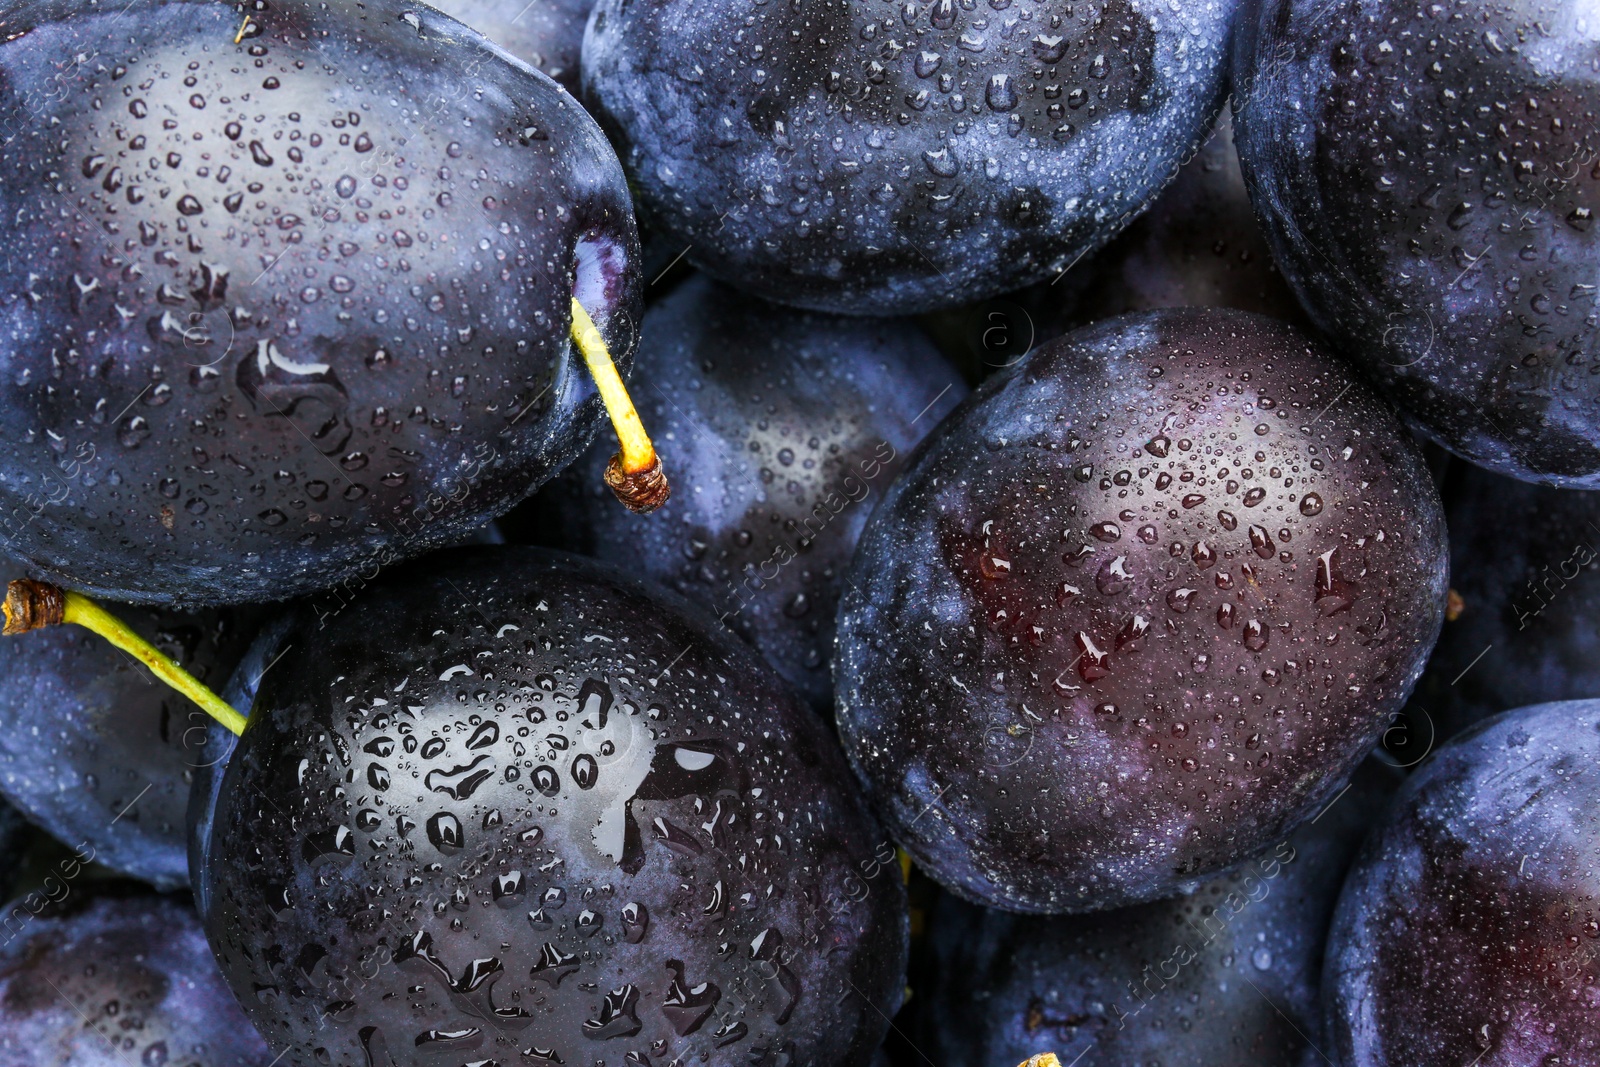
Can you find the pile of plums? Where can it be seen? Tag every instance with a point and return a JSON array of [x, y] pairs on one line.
[[956, 532]]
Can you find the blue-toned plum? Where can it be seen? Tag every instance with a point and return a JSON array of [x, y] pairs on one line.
[[118, 979], [876, 159], [1428, 175], [297, 293]]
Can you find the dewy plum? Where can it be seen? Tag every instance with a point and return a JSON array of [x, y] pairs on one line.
[[1428, 175], [118, 979], [785, 427], [296, 294], [876, 158], [1467, 930], [510, 806], [1136, 610]]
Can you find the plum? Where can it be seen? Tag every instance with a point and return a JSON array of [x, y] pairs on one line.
[[1466, 930], [512, 806], [1526, 625], [1428, 175], [783, 423], [98, 752], [545, 34], [1228, 973], [879, 159], [1135, 610], [298, 289], [116, 979]]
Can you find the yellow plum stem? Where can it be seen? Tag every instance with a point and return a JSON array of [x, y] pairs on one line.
[[635, 473], [31, 605]]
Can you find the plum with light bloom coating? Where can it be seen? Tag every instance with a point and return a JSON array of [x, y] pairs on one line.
[[1136, 610]]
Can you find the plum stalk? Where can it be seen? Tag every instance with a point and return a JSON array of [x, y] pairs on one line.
[[634, 473], [31, 605]]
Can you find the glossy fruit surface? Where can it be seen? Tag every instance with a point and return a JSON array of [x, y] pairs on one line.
[[546, 34], [1467, 926], [295, 307], [1525, 563], [97, 751], [1227, 973], [871, 159], [1136, 610], [785, 427], [1447, 243], [516, 808], [118, 980]]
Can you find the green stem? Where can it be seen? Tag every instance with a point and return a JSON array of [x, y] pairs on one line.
[[31, 605]]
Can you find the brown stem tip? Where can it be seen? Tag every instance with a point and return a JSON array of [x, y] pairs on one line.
[[32, 605], [640, 491]]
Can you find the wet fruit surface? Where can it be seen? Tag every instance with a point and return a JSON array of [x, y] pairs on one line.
[[96, 750], [518, 807], [1227, 973], [784, 428], [1525, 565], [1467, 929], [1136, 610], [862, 157], [294, 306], [118, 980], [547, 34], [1428, 176]]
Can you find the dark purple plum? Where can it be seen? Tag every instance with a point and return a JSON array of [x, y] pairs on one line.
[[98, 752], [113, 979], [1227, 973], [1136, 610], [292, 307], [545, 34], [1466, 932], [1428, 176], [1525, 564], [782, 424], [513, 806], [875, 159]]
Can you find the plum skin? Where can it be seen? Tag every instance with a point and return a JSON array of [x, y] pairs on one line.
[[1446, 245], [854, 158], [1064, 698], [1467, 925], [305, 319], [1200, 978], [115, 977], [708, 832], [784, 427]]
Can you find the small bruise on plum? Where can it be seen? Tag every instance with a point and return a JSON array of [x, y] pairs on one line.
[[1136, 611]]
